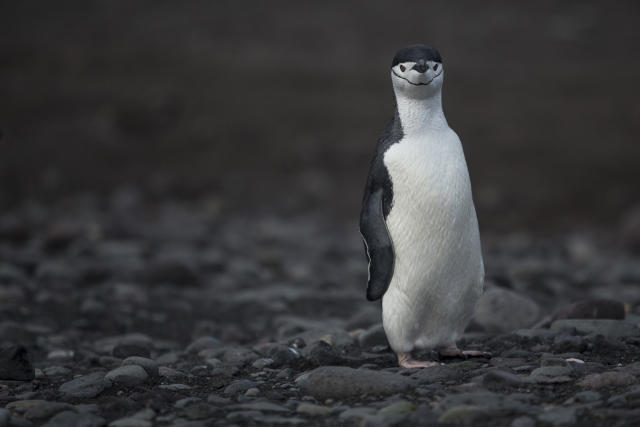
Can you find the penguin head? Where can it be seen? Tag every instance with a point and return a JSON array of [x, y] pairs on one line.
[[417, 72]]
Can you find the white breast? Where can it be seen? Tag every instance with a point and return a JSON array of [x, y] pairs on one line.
[[438, 270]]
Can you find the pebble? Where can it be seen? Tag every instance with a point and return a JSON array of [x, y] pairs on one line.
[[56, 371], [262, 363], [149, 365], [559, 416], [373, 336], [171, 374], [260, 406], [499, 377], [130, 422], [355, 414], [501, 310], [399, 407], [341, 382], [462, 414], [595, 308], [128, 375], [86, 386]]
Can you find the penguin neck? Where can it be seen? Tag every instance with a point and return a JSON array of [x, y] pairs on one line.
[[418, 116]]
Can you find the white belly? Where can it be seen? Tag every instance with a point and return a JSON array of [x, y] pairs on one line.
[[438, 273]]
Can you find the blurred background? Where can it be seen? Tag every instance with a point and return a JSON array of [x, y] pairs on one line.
[[276, 106]]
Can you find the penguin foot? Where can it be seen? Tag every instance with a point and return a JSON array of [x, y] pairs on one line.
[[406, 361], [454, 351]]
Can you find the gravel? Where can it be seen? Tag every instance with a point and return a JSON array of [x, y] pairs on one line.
[[246, 330]]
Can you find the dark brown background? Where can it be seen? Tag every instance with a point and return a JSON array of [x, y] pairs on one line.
[[276, 106]]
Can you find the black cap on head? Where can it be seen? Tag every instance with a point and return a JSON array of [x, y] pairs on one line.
[[416, 52]]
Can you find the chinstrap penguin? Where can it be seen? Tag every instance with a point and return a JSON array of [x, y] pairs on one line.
[[418, 220]]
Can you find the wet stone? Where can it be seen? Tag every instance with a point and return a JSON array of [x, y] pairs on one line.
[[149, 365], [239, 386], [129, 375]]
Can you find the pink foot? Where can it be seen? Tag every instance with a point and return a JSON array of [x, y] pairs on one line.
[[453, 351], [405, 360]]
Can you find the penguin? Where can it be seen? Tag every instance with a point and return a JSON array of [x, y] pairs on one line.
[[418, 220]]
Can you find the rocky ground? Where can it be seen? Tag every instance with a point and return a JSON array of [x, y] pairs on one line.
[[128, 312]]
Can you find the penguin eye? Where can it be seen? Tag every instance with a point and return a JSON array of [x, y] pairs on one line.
[[402, 68], [435, 67]]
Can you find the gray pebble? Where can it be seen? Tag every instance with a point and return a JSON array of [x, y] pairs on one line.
[[56, 371], [203, 343], [129, 375], [262, 363], [86, 386], [501, 377], [605, 327], [239, 386], [149, 365], [312, 409], [373, 336]]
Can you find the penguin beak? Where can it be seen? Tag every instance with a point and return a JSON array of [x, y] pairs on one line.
[[421, 66]]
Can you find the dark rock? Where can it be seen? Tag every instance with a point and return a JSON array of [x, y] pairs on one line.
[[86, 386], [437, 374], [523, 421], [502, 310], [568, 343], [260, 406], [551, 375], [171, 270], [596, 308], [46, 410], [320, 353], [127, 350], [199, 411], [15, 363], [281, 355], [587, 396], [149, 365], [74, 419], [129, 375], [559, 416], [463, 414], [238, 356], [342, 382]]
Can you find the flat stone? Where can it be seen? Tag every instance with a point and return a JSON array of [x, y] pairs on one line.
[[171, 374], [607, 379], [86, 386], [199, 411], [437, 374], [129, 375], [485, 399], [243, 415], [606, 327], [74, 419], [501, 310], [174, 387], [341, 382], [262, 363], [312, 409], [149, 365], [276, 420], [56, 371], [46, 410], [587, 396]]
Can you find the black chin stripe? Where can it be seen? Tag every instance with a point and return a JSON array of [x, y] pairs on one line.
[[415, 84]]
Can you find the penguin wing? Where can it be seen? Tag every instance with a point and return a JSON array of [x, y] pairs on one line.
[[377, 244]]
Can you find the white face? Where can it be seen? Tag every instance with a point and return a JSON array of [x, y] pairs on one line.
[[417, 80]]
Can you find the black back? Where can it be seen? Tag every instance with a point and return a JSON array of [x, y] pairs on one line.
[[416, 52]]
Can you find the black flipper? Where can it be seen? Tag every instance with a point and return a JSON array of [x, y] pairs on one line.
[[378, 246], [376, 205]]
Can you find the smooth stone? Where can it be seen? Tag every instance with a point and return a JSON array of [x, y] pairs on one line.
[[74, 419], [341, 382], [149, 365], [587, 396], [218, 400], [168, 358], [523, 421], [183, 403], [312, 409], [281, 355], [252, 392], [607, 379], [129, 375], [109, 362], [243, 415], [46, 410], [125, 350], [276, 420], [239, 356], [86, 386], [437, 373], [56, 371], [15, 364], [321, 353], [551, 371], [5, 417], [239, 386], [203, 343], [199, 411], [484, 399], [606, 327]]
